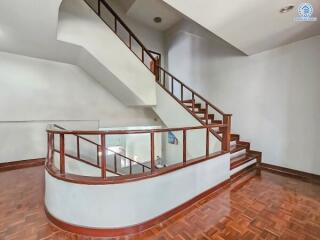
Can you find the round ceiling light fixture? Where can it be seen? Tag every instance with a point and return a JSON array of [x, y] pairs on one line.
[[286, 9], [157, 19]]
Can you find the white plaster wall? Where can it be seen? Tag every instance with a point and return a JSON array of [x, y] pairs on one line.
[[24, 140], [273, 96], [127, 204], [37, 92], [79, 25]]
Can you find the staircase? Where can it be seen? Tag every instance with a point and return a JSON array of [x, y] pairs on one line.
[[240, 151], [242, 157]]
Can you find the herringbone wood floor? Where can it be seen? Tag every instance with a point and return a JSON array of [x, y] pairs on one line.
[[269, 207]]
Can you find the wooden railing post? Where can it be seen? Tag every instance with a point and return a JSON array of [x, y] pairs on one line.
[[184, 146], [99, 8], [164, 79], [142, 57], [172, 85], [207, 113], [181, 94], [193, 101], [50, 147], [130, 164], [78, 147], [62, 157], [130, 41], [226, 138], [157, 72], [115, 163], [207, 141], [152, 152], [103, 156], [98, 155]]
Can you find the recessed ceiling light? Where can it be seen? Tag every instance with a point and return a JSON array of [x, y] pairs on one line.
[[157, 19], [286, 9]]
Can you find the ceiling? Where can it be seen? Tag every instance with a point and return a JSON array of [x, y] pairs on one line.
[[145, 11], [252, 26]]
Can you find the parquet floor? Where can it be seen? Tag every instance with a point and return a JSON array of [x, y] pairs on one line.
[[266, 207]]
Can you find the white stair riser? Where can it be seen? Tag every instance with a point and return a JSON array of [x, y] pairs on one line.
[[237, 169], [237, 154]]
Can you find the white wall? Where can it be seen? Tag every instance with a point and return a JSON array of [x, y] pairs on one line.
[[273, 96], [36, 92], [127, 204]]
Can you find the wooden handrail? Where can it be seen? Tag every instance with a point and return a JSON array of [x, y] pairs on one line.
[[126, 27], [194, 93], [122, 132], [117, 20], [103, 179]]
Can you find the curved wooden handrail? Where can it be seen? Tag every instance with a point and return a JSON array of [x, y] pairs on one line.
[[123, 132], [87, 180], [62, 174]]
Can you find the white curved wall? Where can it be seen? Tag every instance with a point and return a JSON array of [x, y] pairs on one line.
[[127, 204]]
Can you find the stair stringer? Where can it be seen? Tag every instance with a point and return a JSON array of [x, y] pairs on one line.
[[105, 56]]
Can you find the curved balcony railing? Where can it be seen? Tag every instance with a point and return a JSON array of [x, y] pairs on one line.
[[59, 152]]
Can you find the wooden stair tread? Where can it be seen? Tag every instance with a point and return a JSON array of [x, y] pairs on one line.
[[242, 159]]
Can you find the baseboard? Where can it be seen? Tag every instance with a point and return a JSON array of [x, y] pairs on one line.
[[21, 164], [309, 177]]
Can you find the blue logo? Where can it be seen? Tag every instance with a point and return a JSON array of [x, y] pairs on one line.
[[305, 11]]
